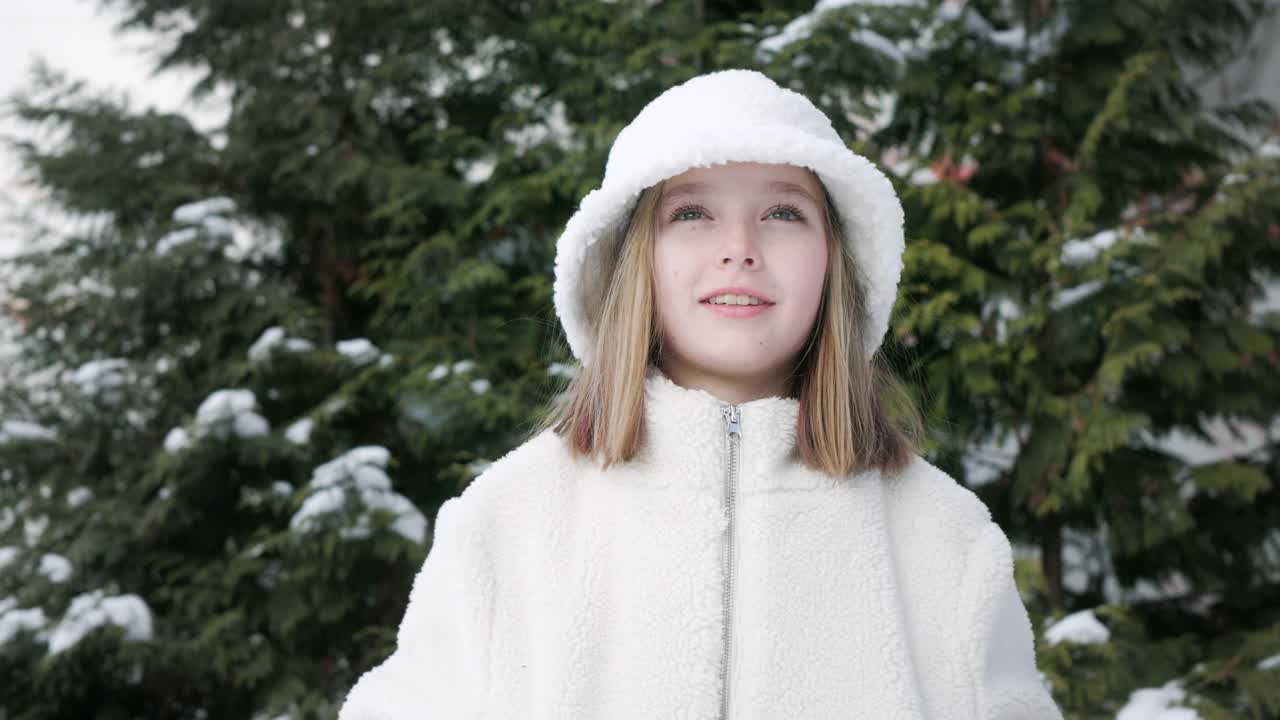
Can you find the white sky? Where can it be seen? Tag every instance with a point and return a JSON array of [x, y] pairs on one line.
[[77, 37]]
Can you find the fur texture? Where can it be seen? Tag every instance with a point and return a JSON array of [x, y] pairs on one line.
[[557, 590], [730, 115]]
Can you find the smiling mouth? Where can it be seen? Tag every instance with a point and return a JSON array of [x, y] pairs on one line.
[[736, 299], [754, 304], [736, 311]]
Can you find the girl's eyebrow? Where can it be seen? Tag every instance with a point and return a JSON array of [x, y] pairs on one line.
[[790, 188], [696, 188], [685, 189]]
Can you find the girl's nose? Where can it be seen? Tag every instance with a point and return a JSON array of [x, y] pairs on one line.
[[740, 244], [747, 260]]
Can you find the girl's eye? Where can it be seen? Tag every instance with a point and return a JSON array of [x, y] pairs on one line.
[[688, 212], [791, 213]]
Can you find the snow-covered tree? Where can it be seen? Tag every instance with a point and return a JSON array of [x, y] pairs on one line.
[[223, 436]]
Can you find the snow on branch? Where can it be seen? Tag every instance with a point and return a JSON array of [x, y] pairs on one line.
[[1082, 628], [355, 485], [93, 610]]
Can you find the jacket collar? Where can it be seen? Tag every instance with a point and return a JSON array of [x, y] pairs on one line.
[[684, 440]]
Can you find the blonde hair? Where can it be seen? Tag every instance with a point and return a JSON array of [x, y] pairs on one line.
[[844, 426]]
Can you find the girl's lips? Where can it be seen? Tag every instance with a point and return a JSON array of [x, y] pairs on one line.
[[738, 311]]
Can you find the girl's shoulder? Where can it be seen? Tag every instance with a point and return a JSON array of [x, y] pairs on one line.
[[522, 478], [928, 503]]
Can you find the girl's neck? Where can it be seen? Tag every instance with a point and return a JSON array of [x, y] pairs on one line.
[[735, 390]]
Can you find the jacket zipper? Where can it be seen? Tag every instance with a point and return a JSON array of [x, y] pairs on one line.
[[733, 440]]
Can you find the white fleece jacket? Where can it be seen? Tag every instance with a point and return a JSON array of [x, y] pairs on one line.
[[556, 590]]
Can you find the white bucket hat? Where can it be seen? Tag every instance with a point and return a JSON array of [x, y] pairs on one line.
[[721, 117]]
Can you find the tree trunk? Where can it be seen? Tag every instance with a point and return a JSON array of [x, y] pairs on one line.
[[1051, 559]]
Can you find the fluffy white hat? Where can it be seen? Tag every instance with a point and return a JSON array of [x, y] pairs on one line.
[[720, 117]]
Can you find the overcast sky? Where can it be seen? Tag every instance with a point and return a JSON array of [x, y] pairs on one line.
[[77, 37]]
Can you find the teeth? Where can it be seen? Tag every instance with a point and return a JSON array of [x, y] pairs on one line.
[[734, 300]]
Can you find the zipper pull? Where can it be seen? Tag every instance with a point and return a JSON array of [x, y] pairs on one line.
[[731, 416]]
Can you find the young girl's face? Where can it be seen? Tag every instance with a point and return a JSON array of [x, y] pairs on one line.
[[757, 230]]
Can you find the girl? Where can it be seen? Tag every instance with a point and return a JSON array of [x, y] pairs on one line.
[[720, 521]]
